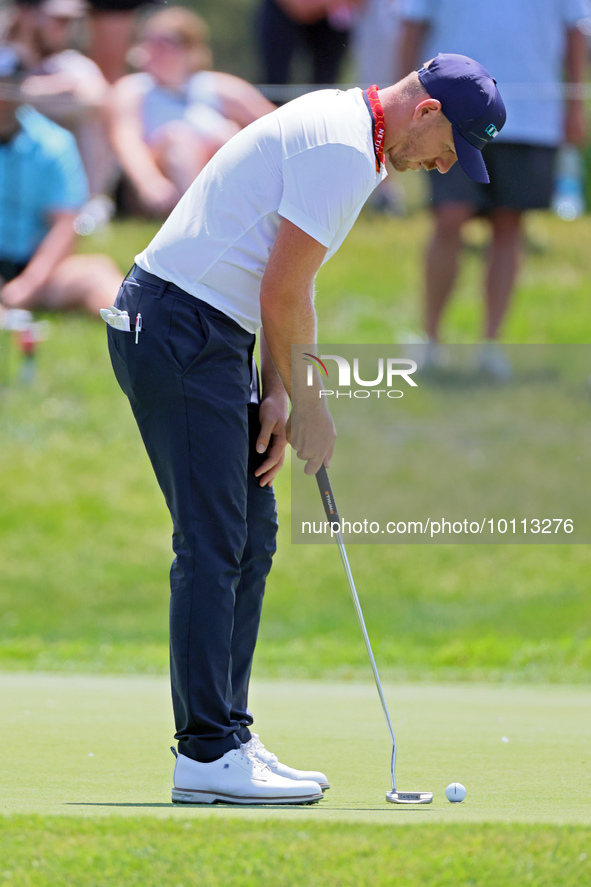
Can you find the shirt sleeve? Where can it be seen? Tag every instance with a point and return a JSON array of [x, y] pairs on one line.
[[67, 186], [323, 186]]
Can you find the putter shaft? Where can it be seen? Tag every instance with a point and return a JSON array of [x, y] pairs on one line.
[[333, 516], [372, 660], [394, 796]]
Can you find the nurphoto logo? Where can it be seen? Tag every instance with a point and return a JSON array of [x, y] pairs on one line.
[[389, 371]]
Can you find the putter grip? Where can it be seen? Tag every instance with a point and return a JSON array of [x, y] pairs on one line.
[[325, 488]]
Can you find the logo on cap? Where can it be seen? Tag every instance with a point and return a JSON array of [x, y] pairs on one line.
[[491, 130]]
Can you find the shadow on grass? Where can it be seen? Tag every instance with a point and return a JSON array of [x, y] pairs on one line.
[[181, 805], [219, 804], [115, 804]]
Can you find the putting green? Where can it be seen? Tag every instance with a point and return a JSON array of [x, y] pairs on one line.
[[90, 746]]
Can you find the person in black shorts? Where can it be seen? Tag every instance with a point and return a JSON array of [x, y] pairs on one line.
[[533, 56], [521, 179]]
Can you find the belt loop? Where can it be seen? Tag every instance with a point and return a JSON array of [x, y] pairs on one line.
[[161, 289]]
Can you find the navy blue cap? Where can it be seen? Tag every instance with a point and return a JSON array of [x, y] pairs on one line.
[[471, 102]]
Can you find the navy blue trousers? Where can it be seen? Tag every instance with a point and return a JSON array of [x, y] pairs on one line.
[[188, 381]]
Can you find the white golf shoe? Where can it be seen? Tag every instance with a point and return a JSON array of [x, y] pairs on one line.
[[237, 778], [492, 361], [255, 748]]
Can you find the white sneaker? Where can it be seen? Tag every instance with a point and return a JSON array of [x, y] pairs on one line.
[[429, 355], [255, 748], [237, 778], [492, 361]]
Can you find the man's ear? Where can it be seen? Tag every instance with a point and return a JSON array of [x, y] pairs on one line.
[[426, 107]]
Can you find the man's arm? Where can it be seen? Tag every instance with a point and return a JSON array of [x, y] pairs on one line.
[[306, 12], [157, 192], [22, 291], [287, 295], [66, 95], [574, 65], [412, 35], [241, 102], [289, 318]]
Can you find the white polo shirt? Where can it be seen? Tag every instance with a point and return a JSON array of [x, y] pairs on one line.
[[311, 162]]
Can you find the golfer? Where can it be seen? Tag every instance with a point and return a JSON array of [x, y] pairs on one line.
[[237, 257]]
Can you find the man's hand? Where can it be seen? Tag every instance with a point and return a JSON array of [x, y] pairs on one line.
[[18, 293], [24, 290], [159, 195], [42, 85], [272, 416], [312, 435]]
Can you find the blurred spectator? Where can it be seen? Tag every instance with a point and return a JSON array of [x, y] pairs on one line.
[[528, 46], [320, 28], [64, 84], [111, 33], [112, 25], [42, 189], [168, 120], [376, 35]]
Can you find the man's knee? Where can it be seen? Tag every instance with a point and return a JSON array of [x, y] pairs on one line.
[[450, 218], [506, 224], [89, 282]]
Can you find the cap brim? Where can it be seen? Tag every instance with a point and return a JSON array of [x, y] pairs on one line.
[[470, 158]]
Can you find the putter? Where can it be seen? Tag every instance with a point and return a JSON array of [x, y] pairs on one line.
[[394, 796]]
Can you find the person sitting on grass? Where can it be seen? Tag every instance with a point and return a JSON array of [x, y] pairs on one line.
[[42, 189], [67, 86], [168, 120]]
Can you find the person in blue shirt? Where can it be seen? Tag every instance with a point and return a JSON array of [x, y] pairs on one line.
[[43, 187], [533, 45]]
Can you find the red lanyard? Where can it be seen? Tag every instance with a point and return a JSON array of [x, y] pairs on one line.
[[372, 100]]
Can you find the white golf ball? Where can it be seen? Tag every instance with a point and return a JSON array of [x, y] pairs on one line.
[[455, 792]]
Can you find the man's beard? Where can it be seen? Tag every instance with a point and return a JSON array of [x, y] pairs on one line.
[[406, 152]]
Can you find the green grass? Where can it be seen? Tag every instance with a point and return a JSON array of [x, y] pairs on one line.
[[86, 778], [96, 746], [86, 537], [68, 853], [371, 290], [84, 772]]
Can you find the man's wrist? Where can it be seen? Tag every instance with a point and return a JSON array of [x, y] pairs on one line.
[[310, 402], [32, 279], [276, 393]]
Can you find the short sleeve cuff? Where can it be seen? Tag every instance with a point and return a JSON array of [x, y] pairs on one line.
[[305, 223]]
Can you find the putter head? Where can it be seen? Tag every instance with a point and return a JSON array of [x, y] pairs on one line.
[[395, 797]]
